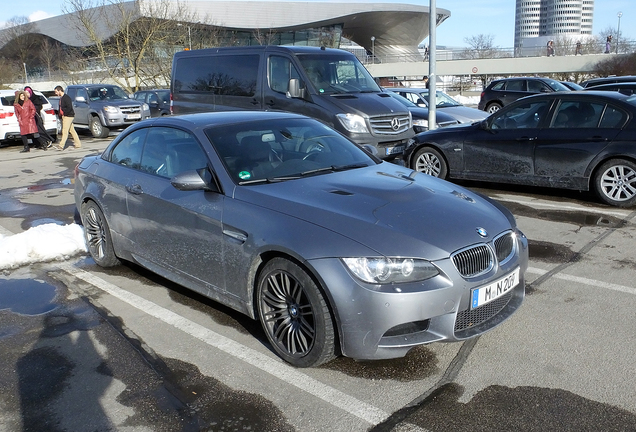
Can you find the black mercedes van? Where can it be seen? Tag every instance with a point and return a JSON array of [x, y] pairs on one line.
[[330, 85]]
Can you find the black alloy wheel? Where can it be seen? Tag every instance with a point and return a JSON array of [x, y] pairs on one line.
[[294, 314]]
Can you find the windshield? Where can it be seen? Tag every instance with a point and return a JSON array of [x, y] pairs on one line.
[[557, 86], [336, 73], [404, 101], [164, 96], [106, 93], [284, 149]]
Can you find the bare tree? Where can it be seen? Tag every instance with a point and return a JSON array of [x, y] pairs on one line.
[[616, 65], [124, 35], [480, 46], [19, 40], [50, 53]]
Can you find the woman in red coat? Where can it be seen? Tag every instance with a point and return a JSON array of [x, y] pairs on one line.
[[25, 113]]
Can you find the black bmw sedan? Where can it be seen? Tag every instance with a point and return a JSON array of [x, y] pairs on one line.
[[570, 140]]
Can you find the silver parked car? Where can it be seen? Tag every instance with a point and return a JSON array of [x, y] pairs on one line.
[[287, 221], [443, 102]]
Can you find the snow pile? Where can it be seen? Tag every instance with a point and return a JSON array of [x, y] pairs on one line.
[[42, 243]]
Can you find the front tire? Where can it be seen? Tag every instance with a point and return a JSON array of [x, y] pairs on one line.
[[97, 129], [97, 235], [294, 314], [429, 161], [615, 182]]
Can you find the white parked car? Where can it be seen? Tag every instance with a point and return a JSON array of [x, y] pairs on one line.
[[9, 128]]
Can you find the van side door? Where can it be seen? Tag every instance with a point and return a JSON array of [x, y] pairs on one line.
[[222, 82]]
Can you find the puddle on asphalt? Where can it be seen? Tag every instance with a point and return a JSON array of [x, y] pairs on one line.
[[27, 296], [551, 252], [418, 364], [580, 218], [500, 408]]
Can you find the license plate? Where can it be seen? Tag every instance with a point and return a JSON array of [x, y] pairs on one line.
[[488, 293], [394, 150], [133, 116]]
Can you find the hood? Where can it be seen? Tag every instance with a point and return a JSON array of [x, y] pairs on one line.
[[422, 113], [364, 104], [464, 114], [390, 209]]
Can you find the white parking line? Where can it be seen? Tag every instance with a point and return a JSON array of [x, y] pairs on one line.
[[277, 368], [585, 281], [539, 204]]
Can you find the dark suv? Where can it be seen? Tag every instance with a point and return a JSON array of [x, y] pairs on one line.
[[500, 93]]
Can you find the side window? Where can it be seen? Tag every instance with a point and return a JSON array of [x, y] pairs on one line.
[[499, 86], [577, 114], [280, 71], [82, 92], [516, 85], [140, 96], [128, 150], [522, 117], [613, 118], [537, 86], [152, 98], [229, 75], [72, 93]]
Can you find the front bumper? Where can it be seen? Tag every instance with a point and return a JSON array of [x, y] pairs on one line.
[[386, 321]]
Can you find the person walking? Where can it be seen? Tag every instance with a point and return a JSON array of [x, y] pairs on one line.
[[38, 102], [608, 44], [25, 113], [578, 48], [68, 114]]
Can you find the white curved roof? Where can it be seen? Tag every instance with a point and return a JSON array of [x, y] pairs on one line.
[[398, 28]]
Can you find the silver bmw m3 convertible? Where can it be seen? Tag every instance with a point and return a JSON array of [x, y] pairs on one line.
[[285, 220]]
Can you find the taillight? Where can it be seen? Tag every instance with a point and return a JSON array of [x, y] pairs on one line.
[[171, 112], [50, 111], [482, 95], [5, 114]]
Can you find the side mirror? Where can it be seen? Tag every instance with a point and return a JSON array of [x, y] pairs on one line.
[[294, 90], [80, 99], [201, 179]]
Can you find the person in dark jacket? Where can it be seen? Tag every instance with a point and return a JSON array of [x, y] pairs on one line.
[[68, 114], [39, 102], [25, 113]]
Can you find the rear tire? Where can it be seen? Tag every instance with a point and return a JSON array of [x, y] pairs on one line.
[[493, 107], [429, 161], [97, 129], [294, 314], [97, 235], [615, 182]]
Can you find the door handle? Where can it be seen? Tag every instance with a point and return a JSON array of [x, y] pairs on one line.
[[597, 138], [526, 138], [270, 103]]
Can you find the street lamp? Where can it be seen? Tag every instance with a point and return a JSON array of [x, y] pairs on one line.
[[25, 74], [373, 48], [618, 32], [189, 36]]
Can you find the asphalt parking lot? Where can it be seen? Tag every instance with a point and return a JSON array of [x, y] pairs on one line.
[[86, 348]]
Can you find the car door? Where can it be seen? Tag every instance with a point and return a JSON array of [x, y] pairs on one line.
[[514, 89], [176, 231], [503, 150], [81, 108], [578, 131]]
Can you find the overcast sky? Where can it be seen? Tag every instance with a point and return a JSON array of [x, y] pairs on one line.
[[468, 17]]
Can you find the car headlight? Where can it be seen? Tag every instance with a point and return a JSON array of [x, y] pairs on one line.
[[111, 109], [353, 123], [145, 107], [421, 122], [383, 270]]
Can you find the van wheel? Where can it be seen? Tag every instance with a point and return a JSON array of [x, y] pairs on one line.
[[97, 129], [294, 314]]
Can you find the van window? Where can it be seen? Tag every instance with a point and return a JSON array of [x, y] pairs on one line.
[[332, 74], [231, 75], [280, 71]]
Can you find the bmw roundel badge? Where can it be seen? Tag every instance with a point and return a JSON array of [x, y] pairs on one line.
[[482, 232]]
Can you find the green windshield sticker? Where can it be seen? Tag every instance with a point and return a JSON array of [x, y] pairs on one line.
[[244, 175]]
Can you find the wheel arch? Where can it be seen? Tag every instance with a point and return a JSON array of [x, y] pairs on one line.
[[596, 164], [433, 146], [257, 268]]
